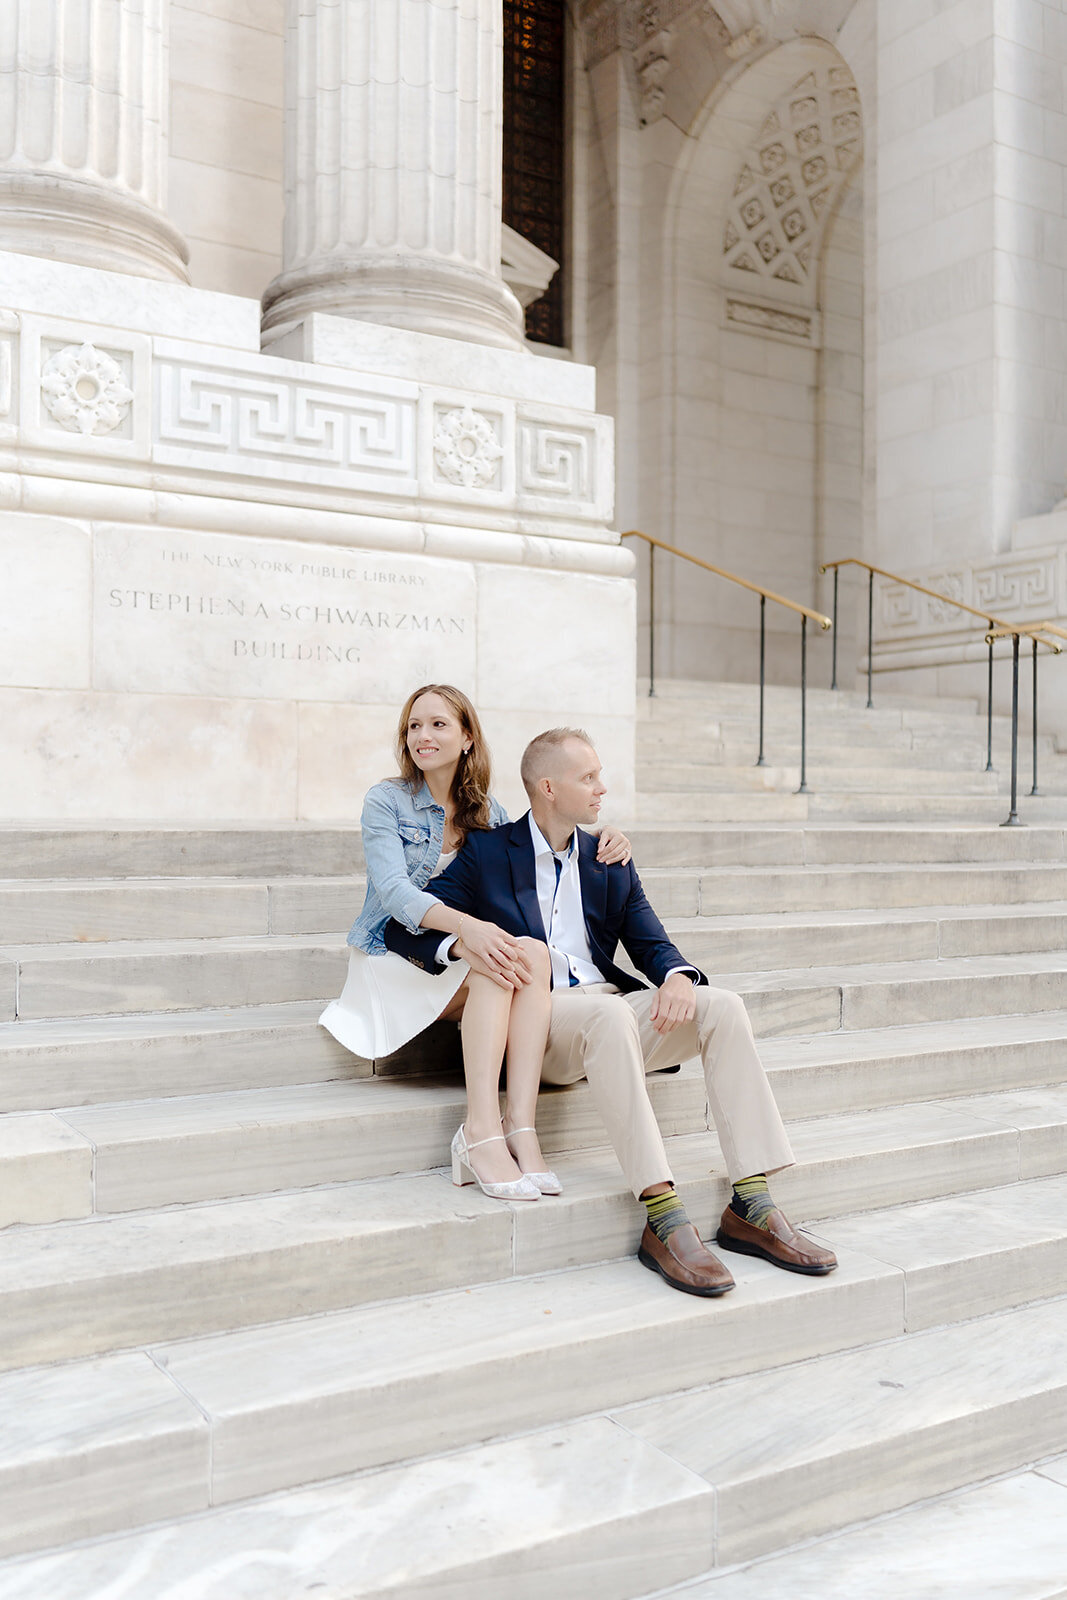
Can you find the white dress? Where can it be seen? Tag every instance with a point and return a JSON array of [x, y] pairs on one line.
[[386, 1001]]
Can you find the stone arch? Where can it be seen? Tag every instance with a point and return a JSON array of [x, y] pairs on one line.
[[751, 426]]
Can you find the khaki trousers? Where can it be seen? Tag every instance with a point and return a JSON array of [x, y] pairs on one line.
[[600, 1034]]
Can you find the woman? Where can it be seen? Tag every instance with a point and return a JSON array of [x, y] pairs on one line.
[[412, 827]]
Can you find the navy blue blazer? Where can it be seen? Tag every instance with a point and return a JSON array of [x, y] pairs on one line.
[[494, 878]]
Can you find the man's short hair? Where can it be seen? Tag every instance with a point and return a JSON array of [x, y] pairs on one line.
[[537, 758]]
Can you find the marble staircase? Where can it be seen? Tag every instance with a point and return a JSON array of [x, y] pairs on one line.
[[255, 1343]]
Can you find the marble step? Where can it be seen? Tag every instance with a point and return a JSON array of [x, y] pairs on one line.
[[84, 1288], [788, 938], [49, 1065], [688, 806], [304, 851], [143, 1154], [722, 891], [854, 1070], [61, 912], [60, 982], [83, 1060], [65, 912], [966, 1545], [684, 777], [825, 999], [121, 1440], [679, 692], [72, 980], [824, 845], [525, 1517], [178, 849], [848, 1436]]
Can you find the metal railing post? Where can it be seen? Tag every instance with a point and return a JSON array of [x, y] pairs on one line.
[[989, 711], [1012, 819], [651, 620], [803, 706], [1035, 789], [833, 680], [762, 670], [870, 635]]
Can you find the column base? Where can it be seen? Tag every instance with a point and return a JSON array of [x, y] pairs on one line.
[[90, 225], [426, 296]]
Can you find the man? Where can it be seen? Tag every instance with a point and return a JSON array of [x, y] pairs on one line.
[[540, 876]]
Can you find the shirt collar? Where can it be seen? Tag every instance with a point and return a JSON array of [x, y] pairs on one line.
[[423, 799], [543, 848]]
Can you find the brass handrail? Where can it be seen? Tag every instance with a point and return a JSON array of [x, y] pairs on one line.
[[804, 612], [909, 583], [997, 628], [825, 623]]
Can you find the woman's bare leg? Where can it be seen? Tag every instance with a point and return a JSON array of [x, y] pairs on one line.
[[527, 1036], [484, 1030]]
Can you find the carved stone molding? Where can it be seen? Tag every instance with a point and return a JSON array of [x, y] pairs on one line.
[[466, 448], [84, 390], [789, 180], [795, 326]]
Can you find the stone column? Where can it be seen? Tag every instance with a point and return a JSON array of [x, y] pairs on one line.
[[393, 143], [83, 105], [972, 144]]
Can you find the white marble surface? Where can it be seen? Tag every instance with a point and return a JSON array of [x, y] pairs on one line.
[[967, 1255], [79, 755], [534, 1514], [400, 353], [868, 1430], [45, 578], [1007, 1540], [86, 1061], [242, 618], [47, 1170], [73, 980], [269, 1389], [91, 1447], [125, 1281], [97, 297]]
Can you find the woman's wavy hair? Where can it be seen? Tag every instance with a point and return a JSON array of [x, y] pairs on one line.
[[470, 786]]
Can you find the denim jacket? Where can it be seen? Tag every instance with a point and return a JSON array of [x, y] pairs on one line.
[[402, 838]]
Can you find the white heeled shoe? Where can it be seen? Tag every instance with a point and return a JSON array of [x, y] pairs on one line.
[[463, 1172], [547, 1182]]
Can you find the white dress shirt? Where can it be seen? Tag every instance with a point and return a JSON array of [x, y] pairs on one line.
[[559, 895]]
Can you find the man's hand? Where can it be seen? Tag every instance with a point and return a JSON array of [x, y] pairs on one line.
[[494, 953], [673, 1004], [613, 848]]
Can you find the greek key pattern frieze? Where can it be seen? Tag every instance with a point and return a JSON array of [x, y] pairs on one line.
[[556, 461], [341, 432], [1017, 588]]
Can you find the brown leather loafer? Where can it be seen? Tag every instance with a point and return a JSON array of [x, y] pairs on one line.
[[684, 1262], [778, 1242]]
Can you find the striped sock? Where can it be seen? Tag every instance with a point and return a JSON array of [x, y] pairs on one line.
[[752, 1200], [665, 1213]]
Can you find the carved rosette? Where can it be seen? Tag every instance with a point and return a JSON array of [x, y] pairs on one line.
[[466, 449], [84, 389]]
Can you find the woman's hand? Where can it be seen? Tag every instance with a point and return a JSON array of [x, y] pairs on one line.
[[613, 848], [491, 951]]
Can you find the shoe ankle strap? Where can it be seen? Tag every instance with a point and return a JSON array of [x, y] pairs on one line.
[[493, 1138]]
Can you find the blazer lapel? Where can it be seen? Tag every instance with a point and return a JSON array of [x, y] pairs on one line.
[[524, 877]]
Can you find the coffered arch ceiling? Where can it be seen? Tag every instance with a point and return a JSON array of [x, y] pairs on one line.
[[788, 183]]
